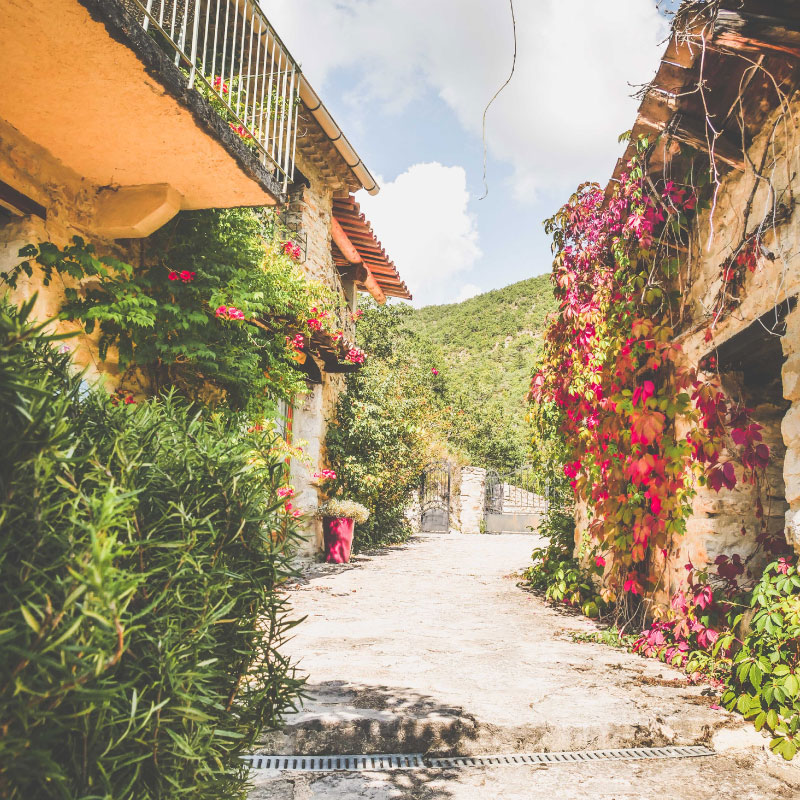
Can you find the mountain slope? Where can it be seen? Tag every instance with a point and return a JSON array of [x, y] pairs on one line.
[[489, 344]]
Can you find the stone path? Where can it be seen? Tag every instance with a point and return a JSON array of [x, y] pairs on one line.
[[432, 648]]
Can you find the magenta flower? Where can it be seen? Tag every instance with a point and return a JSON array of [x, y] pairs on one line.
[[229, 312], [355, 355]]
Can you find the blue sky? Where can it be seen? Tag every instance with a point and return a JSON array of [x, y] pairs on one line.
[[407, 81]]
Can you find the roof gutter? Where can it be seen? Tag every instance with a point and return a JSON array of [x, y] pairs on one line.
[[337, 138]]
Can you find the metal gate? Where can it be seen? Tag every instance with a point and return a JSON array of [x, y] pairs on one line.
[[513, 504], [434, 497]]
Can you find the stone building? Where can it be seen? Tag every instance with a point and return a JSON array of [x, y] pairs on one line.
[[138, 109], [726, 88]]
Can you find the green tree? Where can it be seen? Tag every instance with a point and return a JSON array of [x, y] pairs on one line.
[[387, 424]]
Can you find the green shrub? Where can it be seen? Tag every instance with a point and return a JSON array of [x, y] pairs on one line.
[[556, 572], [167, 317], [140, 551], [764, 679]]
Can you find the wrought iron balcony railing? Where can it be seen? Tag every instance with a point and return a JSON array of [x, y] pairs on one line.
[[234, 58]]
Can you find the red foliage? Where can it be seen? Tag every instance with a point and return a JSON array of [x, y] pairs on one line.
[[613, 368]]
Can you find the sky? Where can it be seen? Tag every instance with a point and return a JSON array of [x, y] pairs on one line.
[[408, 80]]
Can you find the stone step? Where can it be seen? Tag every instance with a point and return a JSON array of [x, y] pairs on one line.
[[346, 720]]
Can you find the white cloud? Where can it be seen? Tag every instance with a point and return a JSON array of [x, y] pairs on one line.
[[467, 290], [558, 120], [421, 219]]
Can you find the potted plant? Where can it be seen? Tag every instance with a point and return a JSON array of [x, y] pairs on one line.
[[338, 520]]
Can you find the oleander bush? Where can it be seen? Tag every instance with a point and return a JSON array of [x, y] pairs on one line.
[[141, 550]]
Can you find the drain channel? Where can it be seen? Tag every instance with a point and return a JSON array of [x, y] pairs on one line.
[[337, 763], [382, 762]]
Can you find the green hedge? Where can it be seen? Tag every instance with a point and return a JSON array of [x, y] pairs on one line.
[[140, 551]]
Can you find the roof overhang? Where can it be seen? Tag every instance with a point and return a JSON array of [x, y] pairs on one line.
[[733, 51], [367, 262]]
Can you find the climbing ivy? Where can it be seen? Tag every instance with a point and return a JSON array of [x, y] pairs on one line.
[[641, 427]]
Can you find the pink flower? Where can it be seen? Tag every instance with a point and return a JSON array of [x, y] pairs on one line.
[[285, 491], [599, 561], [315, 325], [229, 312], [325, 475], [240, 131], [435, 371], [220, 86], [783, 565], [186, 276], [292, 250], [173, 276], [355, 355]]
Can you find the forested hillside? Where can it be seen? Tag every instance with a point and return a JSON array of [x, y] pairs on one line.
[[488, 345]]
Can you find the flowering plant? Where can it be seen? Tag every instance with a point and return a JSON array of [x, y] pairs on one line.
[[325, 475], [218, 332], [640, 426], [292, 249], [355, 355], [347, 509]]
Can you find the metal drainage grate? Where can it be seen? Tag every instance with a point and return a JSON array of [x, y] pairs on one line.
[[418, 761], [336, 763], [628, 754]]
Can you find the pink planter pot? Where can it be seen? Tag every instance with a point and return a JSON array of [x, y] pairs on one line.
[[338, 538]]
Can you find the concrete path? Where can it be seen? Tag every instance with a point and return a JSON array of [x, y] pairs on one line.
[[433, 648]]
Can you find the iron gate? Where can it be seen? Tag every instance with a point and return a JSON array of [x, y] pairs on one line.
[[434, 497], [514, 502]]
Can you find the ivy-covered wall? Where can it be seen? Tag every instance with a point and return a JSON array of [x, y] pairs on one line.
[[736, 309]]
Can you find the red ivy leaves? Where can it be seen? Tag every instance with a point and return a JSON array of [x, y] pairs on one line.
[[612, 367]]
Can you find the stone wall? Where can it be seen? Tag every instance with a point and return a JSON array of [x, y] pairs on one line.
[[727, 522], [311, 209], [308, 432], [790, 427], [472, 499]]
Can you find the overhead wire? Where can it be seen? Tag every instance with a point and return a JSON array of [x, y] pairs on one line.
[[495, 96]]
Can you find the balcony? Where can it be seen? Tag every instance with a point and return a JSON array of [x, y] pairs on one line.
[[187, 103], [233, 57]]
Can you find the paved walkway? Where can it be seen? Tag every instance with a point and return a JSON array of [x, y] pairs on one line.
[[433, 648]]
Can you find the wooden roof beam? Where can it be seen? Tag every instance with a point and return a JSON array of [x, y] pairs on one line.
[[690, 131], [755, 33]]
